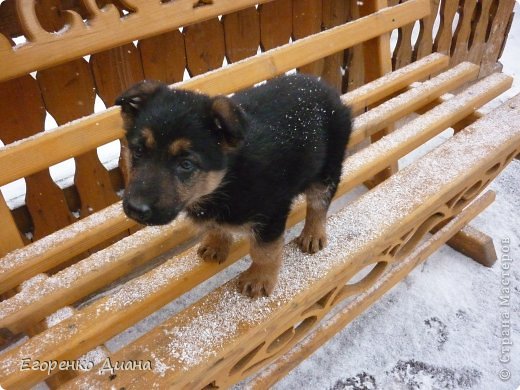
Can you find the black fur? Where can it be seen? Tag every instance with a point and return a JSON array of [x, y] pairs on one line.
[[274, 141]]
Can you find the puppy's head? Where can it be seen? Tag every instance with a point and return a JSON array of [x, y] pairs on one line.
[[178, 144]]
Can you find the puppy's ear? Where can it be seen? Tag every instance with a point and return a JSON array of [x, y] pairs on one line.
[[134, 99], [230, 121]]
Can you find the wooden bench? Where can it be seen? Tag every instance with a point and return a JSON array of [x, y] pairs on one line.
[[52, 286]]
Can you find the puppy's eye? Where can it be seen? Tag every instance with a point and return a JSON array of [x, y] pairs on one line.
[[186, 165], [137, 152]]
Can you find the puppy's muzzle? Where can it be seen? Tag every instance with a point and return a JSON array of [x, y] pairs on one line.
[[138, 210]]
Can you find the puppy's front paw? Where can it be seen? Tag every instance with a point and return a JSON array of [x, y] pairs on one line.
[[213, 253], [312, 242], [255, 284]]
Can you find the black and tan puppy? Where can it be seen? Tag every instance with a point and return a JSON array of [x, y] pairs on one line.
[[236, 163]]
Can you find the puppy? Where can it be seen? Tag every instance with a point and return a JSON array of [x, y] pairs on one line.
[[236, 163]]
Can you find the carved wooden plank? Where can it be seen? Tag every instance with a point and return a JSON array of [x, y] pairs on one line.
[[205, 46], [424, 45], [280, 367], [9, 24], [497, 35], [103, 30], [307, 19], [354, 59], [442, 42], [275, 23], [242, 34], [44, 199], [403, 51], [335, 12], [114, 71], [163, 57], [68, 92], [477, 42], [460, 43]]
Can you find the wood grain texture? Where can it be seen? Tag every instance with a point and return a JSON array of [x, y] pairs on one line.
[[106, 30], [163, 57], [335, 12], [73, 83], [242, 34], [477, 41], [424, 45], [443, 38], [354, 58], [460, 44], [205, 46], [497, 29], [275, 23], [44, 199], [307, 20]]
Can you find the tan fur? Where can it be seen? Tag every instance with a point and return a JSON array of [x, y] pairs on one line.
[[314, 236], [178, 146], [201, 183], [215, 245], [149, 140], [261, 277]]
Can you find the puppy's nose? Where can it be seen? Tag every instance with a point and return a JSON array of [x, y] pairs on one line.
[[139, 210]]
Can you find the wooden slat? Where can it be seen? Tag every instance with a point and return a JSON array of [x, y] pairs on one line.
[[60, 246], [443, 115], [72, 83], [377, 90], [106, 126], [218, 355], [478, 41], [275, 23], [335, 12], [106, 30], [42, 256], [45, 200], [408, 102], [424, 45], [354, 59], [402, 55], [181, 273], [163, 57], [447, 12], [306, 20], [497, 35], [242, 34], [205, 46], [460, 44], [323, 332]]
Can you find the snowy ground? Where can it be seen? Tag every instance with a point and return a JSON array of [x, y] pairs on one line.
[[438, 329]]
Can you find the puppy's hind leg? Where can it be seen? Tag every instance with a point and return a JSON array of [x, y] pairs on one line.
[[215, 245], [314, 235]]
